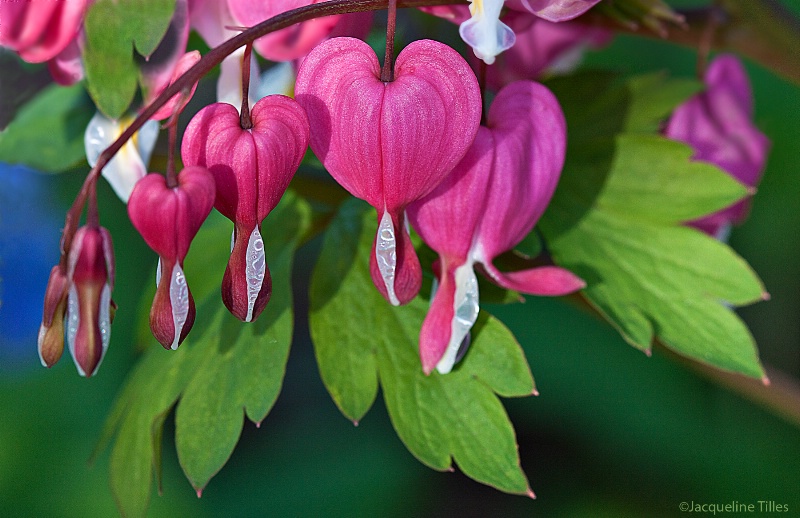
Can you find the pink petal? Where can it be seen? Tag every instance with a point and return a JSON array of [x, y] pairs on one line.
[[169, 218], [543, 281], [529, 131], [718, 125], [553, 10], [247, 283], [448, 217], [40, 29], [186, 62], [289, 43], [251, 168], [67, 67], [437, 327]]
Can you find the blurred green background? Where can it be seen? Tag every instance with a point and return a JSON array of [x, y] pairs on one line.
[[613, 433]]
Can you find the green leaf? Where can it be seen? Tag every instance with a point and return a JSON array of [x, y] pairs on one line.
[[455, 416], [225, 369], [47, 133], [616, 221], [114, 29]]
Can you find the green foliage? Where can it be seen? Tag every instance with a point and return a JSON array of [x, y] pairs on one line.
[[225, 370], [47, 133], [114, 30], [360, 340], [616, 220]]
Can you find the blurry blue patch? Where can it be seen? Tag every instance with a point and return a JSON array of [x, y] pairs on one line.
[[30, 229]]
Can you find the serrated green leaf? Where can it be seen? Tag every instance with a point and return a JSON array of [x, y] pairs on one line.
[[652, 99], [616, 221], [439, 417], [47, 134], [224, 370], [114, 29]]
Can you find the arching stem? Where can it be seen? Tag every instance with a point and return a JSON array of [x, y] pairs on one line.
[[387, 74]]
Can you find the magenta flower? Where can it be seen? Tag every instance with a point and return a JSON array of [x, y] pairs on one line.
[[38, 30], [718, 124], [168, 218], [553, 10], [90, 278], [488, 204], [289, 43], [389, 143], [252, 169]]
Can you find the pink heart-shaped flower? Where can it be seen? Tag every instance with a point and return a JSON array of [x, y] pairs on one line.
[[488, 204], [168, 218], [252, 169], [389, 143]]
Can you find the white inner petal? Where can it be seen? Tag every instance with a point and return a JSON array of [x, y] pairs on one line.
[[484, 31], [158, 273], [40, 341], [386, 254], [278, 79], [105, 321], [466, 309], [179, 300], [73, 322], [255, 270], [127, 167]]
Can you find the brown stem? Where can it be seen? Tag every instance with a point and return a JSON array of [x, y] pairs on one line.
[[482, 84], [172, 177], [761, 30], [244, 114], [387, 74]]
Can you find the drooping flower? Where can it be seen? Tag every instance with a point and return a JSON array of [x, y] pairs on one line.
[[252, 169], [90, 279], [168, 218], [129, 165], [39, 30], [718, 124], [51, 332], [389, 143], [488, 204]]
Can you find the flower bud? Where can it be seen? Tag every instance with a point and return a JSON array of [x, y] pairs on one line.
[[91, 279], [51, 332]]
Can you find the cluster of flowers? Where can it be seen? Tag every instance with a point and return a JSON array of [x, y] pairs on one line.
[[412, 146]]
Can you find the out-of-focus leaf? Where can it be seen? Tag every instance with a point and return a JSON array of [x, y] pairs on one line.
[[616, 221], [224, 370], [47, 133], [114, 29], [360, 340]]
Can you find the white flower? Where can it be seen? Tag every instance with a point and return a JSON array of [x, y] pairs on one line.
[[129, 165], [484, 31]]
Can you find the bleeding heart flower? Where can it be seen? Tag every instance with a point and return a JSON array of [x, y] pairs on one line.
[[38, 30], [389, 143], [718, 124], [90, 278], [488, 204], [553, 10], [51, 332], [168, 218], [252, 169]]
